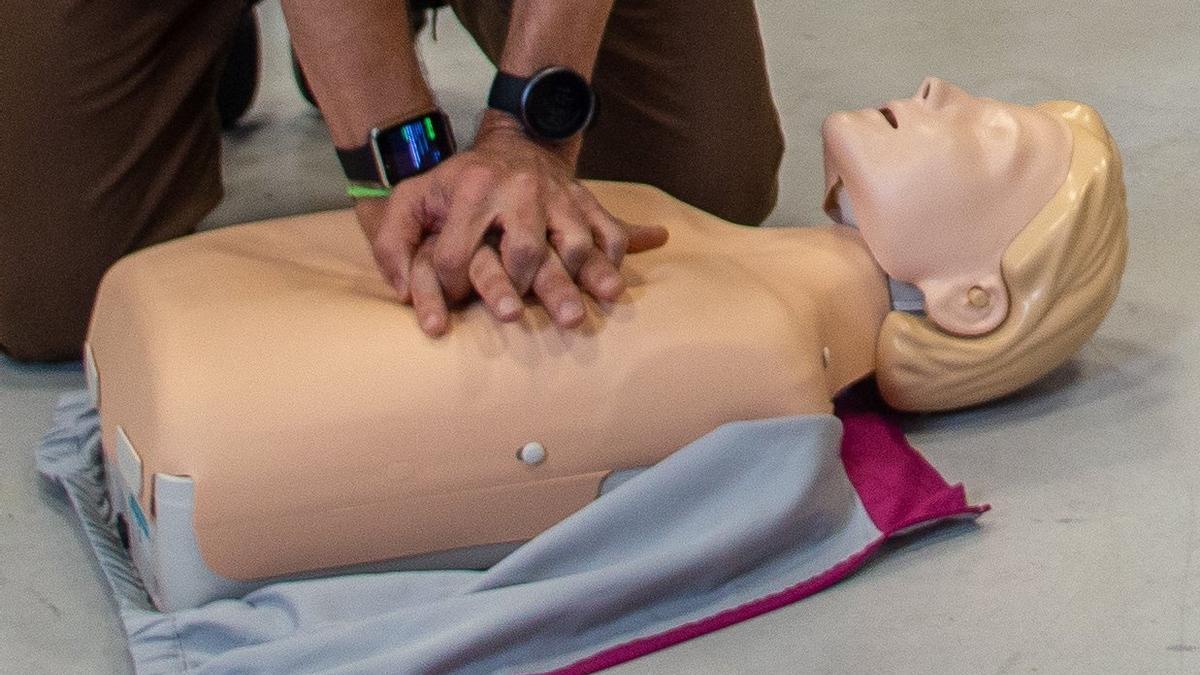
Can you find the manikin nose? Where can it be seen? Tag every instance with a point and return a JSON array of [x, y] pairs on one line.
[[926, 89], [936, 92]]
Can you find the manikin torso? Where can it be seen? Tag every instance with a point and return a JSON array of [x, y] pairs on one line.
[[360, 411]]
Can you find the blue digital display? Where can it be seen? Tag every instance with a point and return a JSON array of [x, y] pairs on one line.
[[414, 147]]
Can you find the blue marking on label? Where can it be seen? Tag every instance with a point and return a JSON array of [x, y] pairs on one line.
[[139, 517]]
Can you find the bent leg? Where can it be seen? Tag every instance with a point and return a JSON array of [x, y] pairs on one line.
[[685, 101], [110, 143]]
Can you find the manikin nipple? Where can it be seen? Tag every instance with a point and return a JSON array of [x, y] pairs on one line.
[[905, 297]]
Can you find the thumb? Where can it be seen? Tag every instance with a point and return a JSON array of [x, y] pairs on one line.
[[645, 237]]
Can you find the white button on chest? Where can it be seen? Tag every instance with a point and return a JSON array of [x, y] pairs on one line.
[[532, 453]]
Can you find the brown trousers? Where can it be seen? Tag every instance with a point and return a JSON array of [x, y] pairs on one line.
[[109, 138]]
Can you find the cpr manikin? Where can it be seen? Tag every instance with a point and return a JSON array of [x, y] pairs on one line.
[[269, 409]]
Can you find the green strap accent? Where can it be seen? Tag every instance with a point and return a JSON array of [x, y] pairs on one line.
[[364, 192]]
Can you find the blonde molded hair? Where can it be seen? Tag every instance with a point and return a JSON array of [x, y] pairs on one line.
[[1062, 273]]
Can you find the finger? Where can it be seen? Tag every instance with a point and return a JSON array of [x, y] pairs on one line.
[[644, 237], [395, 233], [427, 298], [600, 278], [558, 293], [523, 245], [468, 216], [608, 231], [570, 234], [493, 285]]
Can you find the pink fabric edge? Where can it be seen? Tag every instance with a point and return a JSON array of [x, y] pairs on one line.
[[926, 500], [642, 646]]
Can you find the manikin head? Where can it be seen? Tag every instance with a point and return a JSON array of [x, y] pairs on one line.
[[1009, 219]]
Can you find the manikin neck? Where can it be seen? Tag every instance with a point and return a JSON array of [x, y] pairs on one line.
[[839, 289], [905, 297]]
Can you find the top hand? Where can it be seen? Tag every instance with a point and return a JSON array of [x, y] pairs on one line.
[[432, 237]]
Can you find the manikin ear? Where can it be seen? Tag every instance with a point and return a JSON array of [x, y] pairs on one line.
[[966, 305]]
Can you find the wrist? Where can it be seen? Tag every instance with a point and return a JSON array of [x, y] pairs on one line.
[[396, 151], [499, 128]]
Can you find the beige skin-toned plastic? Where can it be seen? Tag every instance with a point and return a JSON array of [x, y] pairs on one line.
[[272, 364]]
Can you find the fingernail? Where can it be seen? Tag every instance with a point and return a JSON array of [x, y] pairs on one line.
[[570, 311], [508, 306], [611, 286]]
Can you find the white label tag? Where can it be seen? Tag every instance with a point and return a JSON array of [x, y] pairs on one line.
[[129, 464], [92, 375]]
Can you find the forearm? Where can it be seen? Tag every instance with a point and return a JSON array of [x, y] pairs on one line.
[[560, 33], [360, 61]]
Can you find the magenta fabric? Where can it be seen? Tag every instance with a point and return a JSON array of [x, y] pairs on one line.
[[898, 487]]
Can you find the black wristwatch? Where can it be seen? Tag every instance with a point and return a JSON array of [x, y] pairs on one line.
[[393, 153], [554, 104]]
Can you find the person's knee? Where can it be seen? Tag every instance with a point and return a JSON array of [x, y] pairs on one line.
[[40, 344], [743, 187], [754, 196], [730, 183], [43, 319]]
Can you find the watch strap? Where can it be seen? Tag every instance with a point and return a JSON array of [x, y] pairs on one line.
[[359, 191], [506, 93], [360, 166]]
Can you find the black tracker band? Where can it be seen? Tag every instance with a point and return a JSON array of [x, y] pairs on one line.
[[395, 152], [553, 104]]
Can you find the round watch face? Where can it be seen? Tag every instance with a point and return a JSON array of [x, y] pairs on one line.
[[557, 104]]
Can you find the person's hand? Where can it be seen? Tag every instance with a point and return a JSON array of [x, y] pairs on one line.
[[551, 284], [502, 219]]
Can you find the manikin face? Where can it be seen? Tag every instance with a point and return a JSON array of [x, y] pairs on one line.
[[939, 185]]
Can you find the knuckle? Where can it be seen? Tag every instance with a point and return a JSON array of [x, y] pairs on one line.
[[526, 254], [523, 190], [577, 190], [621, 241], [524, 210], [563, 201], [616, 240], [524, 182], [446, 261], [575, 253]]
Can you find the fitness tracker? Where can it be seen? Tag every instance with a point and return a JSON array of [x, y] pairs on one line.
[[552, 105], [396, 152]]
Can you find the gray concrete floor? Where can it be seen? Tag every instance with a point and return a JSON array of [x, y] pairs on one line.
[[1088, 562]]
